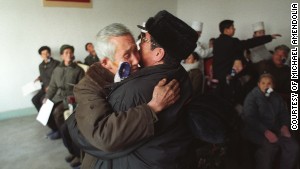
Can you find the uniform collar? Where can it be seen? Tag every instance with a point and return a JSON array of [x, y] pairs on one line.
[[48, 61], [73, 64]]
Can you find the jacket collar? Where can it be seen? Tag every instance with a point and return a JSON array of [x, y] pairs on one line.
[[100, 75], [190, 66], [49, 61], [225, 36], [167, 69], [73, 64]]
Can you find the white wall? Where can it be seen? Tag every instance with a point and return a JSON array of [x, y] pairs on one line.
[[25, 25], [274, 13]]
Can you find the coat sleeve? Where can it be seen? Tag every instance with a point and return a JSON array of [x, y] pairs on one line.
[[250, 114], [80, 75], [196, 80], [257, 41], [107, 130], [52, 87], [283, 113], [203, 53]]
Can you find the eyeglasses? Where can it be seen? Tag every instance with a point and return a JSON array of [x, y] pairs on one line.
[[144, 39]]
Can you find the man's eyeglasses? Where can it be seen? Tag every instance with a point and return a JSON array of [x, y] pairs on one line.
[[144, 39]]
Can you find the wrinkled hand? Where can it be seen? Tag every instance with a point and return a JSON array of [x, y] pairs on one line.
[[272, 138], [237, 66], [285, 131], [164, 95], [274, 36]]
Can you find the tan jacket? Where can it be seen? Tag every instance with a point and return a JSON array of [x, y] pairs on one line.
[[62, 81], [107, 130]]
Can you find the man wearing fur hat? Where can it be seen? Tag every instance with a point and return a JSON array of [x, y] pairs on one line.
[[260, 52], [168, 40]]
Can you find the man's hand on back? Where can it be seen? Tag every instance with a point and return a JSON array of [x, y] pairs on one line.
[[164, 95]]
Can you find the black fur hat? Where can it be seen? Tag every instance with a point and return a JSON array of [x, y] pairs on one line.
[[174, 35]]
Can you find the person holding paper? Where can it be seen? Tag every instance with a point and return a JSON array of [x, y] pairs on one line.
[[63, 79], [46, 68]]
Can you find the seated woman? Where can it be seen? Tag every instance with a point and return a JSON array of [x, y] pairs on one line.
[[63, 79], [266, 125]]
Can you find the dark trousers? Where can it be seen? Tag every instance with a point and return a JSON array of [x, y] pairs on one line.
[[37, 99], [266, 153], [69, 144], [56, 119], [225, 91]]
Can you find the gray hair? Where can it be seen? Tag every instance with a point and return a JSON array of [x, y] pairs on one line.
[[104, 46], [266, 75], [283, 47]]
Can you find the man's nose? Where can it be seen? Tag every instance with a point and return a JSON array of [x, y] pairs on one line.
[[135, 59]]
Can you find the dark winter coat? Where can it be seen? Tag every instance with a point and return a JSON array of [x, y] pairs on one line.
[[63, 80], [46, 70], [89, 60], [227, 49], [261, 113], [99, 125], [167, 149]]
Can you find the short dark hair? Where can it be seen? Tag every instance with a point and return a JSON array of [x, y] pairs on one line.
[[86, 45], [225, 24], [44, 48], [284, 48], [64, 47]]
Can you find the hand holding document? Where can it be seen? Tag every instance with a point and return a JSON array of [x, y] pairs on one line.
[[45, 112], [31, 87]]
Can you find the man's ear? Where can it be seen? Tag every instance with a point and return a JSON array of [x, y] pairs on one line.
[[159, 54], [105, 62]]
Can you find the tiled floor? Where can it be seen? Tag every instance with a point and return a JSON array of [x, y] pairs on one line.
[[23, 145]]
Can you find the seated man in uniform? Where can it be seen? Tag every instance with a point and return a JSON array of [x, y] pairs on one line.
[[92, 57], [63, 79], [46, 68]]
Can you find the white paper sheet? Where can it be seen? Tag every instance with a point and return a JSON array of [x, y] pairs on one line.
[[45, 112], [31, 87], [83, 66]]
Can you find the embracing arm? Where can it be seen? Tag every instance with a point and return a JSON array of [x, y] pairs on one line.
[[113, 131]]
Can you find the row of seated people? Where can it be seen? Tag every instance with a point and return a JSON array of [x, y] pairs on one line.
[[58, 80], [220, 75], [67, 74], [257, 111]]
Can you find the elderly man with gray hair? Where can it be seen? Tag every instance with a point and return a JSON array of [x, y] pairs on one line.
[[167, 41]]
